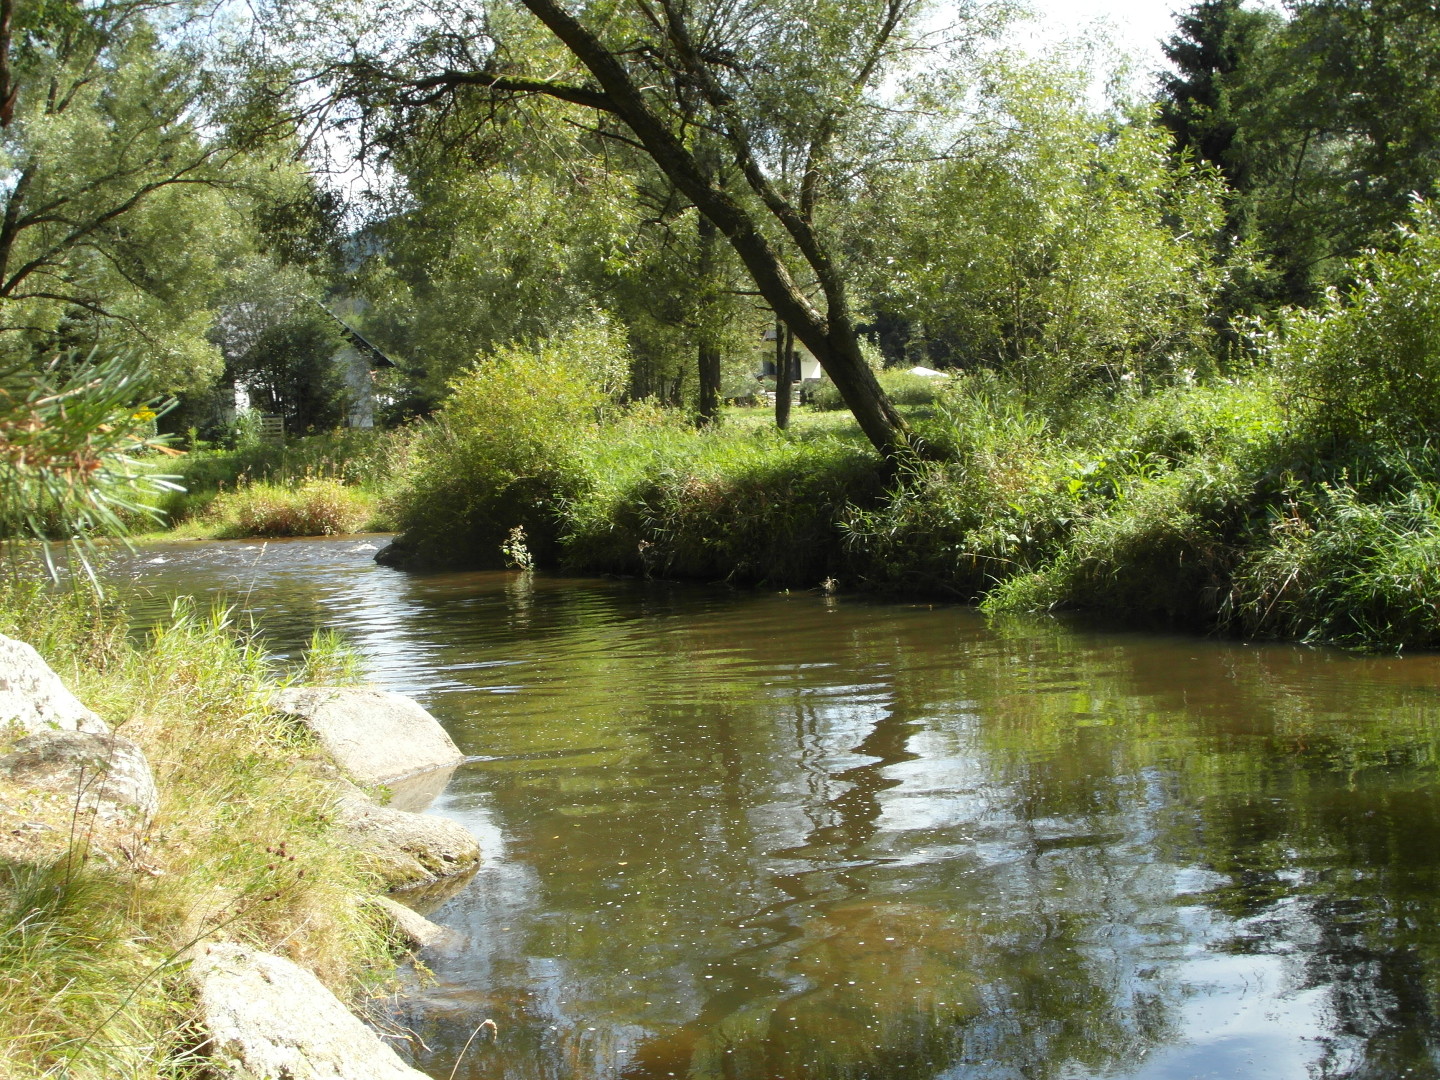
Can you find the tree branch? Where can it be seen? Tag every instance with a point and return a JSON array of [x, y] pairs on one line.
[[450, 80]]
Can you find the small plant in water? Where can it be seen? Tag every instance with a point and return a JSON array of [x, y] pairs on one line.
[[516, 552]]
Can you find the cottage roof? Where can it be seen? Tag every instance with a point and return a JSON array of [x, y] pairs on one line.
[[359, 341]]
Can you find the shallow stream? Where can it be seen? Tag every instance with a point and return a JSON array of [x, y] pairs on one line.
[[774, 837]]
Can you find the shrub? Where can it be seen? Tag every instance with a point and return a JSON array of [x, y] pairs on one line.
[[1159, 555], [316, 507], [508, 449], [751, 508], [1367, 363], [1352, 559]]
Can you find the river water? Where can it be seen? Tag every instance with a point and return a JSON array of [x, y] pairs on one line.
[[772, 837]]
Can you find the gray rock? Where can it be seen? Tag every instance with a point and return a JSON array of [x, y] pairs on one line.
[[376, 737], [413, 928], [33, 698], [269, 1019], [108, 774], [406, 850], [415, 793]]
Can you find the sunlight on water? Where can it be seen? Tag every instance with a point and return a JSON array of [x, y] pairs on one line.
[[747, 836]]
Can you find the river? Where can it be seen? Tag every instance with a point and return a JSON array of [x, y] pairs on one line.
[[781, 836]]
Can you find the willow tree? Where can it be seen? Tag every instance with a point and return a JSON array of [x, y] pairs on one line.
[[125, 199], [799, 94]]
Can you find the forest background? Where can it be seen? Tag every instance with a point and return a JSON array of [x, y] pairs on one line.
[[1190, 333]]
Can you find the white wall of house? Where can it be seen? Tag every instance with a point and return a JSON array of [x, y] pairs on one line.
[[809, 367], [359, 386]]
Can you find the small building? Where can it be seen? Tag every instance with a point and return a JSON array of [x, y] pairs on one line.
[[357, 361], [807, 368]]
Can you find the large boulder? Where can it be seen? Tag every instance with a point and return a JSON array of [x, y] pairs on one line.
[[33, 698], [107, 776], [266, 1018], [375, 736], [406, 850]]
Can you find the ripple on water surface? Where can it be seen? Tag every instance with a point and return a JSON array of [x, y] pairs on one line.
[[781, 836]]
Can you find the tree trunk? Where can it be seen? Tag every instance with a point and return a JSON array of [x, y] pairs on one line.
[[784, 375], [830, 337], [709, 355]]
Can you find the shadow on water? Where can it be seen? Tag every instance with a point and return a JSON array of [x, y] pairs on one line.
[[758, 836]]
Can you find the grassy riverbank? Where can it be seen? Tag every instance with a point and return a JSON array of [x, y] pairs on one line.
[[92, 925], [1297, 498], [1196, 506], [315, 485], [1210, 507]]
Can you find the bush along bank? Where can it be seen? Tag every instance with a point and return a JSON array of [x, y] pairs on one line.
[[192, 847], [1300, 500]]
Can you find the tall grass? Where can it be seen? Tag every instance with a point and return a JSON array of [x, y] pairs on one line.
[[316, 485], [75, 986], [314, 507], [94, 926]]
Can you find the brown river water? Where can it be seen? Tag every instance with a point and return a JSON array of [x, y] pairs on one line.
[[772, 837]]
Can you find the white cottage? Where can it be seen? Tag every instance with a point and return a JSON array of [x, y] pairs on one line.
[[809, 367], [358, 360]]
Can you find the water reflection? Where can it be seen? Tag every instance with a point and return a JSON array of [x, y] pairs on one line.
[[787, 836]]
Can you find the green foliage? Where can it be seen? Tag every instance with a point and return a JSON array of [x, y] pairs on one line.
[[507, 448], [1366, 365], [1322, 122], [485, 256], [1157, 554], [330, 661], [1349, 554], [124, 197], [1061, 245], [75, 629], [70, 440], [365, 457], [1190, 507]]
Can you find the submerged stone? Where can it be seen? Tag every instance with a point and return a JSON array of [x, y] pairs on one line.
[[416, 931], [407, 850]]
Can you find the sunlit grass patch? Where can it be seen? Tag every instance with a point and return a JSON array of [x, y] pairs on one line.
[[315, 507]]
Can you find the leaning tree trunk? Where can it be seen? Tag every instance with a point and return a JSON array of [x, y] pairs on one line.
[[831, 336]]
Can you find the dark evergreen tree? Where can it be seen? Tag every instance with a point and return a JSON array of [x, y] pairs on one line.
[[1324, 123], [1214, 49], [291, 370]]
